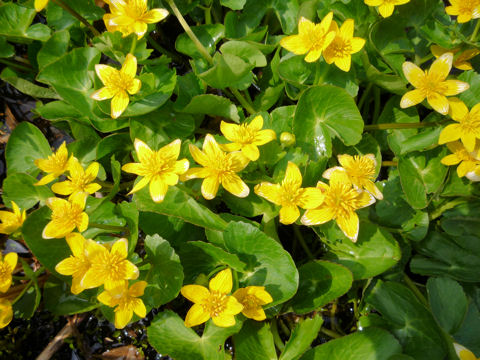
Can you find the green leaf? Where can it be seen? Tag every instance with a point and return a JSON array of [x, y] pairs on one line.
[[374, 252], [212, 105], [165, 276], [246, 51], [168, 335], [54, 48], [369, 344], [57, 111], [470, 97], [179, 204], [263, 256], [448, 302], [228, 71], [209, 35], [409, 320], [115, 144], [16, 19], [320, 282], [27, 87], [301, 337], [75, 84], [19, 187], [254, 341], [59, 300], [48, 251], [324, 112], [467, 334], [33, 144], [422, 174], [233, 4], [6, 50], [457, 258], [462, 220], [116, 46]]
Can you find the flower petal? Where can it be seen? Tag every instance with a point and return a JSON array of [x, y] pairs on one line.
[[210, 187], [234, 185], [138, 289], [455, 87], [295, 44], [318, 216], [441, 67], [311, 198], [271, 192], [122, 317], [63, 188], [11, 260], [119, 104], [222, 282], [458, 109], [413, 73], [103, 94], [181, 166], [76, 243], [134, 86], [196, 316], [344, 63], [139, 308], [438, 102], [155, 15], [293, 177], [289, 214], [39, 6], [449, 133], [195, 293], [140, 185], [224, 320], [230, 131], [67, 266], [411, 98], [198, 155], [386, 9], [120, 248], [105, 72], [264, 136], [158, 189], [129, 67], [349, 224]]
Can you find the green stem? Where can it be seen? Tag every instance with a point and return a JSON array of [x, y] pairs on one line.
[[77, 16], [449, 205], [109, 227], [389, 163], [301, 240], [153, 43], [208, 16], [377, 103], [23, 292], [365, 95], [330, 333], [391, 126], [243, 101], [134, 44], [190, 33], [415, 290], [425, 59], [276, 336], [15, 64], [475, 31]]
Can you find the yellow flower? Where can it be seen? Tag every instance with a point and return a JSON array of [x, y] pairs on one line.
[[77, 264], [290, 195], [212, 303], [131, 16], [341, 202], [118, 84], [465, 10], [432, 84], [12, 221], [110, 268], [385, 7], [463, 353], [6, 312], [343, 45], [468, 160], [252, 298], [40, 5], [312, 38], [468, 127], [126, 301], [66, 216], [159, 168], [247, 137], [461, 61], [218, 168], [360, 171], [79, 181], [7, 265], [55, 165]]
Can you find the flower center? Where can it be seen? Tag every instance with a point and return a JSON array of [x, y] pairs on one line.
[[342, 199], [432, 83], [250, 302], [245, 134], [135, 9], [341, 47], [362, 168], [215, 304], [119, 81], [68, 214], [470, 124], [5, 271], [290, 193], [109, 265], [157, 165], [467, 6], [315, 38]]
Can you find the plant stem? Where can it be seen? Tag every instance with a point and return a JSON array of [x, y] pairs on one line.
[[391, 126], [415, 290], [276, 336], [77, 16], [243, 101], [134, 44], [15, 64], [109, 227], [449, 205], [190, 33], [301, 240], [208, 16], [389, 163], [366, 92], [475, 31], [153, 43], [27, 286], [330, 333]]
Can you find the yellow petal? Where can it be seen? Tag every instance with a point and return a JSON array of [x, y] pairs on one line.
[[293, 177], [222, 282], [313, 55], [357, 44], [67, 266], [251, 152], [438, 102], [106, 298], [224, 320], [198, 155], [413, 73], [449, 133], [138, 289], [122, 317], [79, 200], [230, 131], [441, 67], [196, 316], [305, 26], [92, 188], [386, 9], [210, 187], [120, 248], [140, 28], [55, 230], [103, 93], [155, 15], [271, 192], [129, 67], [158, 189], [318, 216], [6, 313], [257, 313], [347, 28], [195, 293], [144, 152], [295, 44], [234, 185], [82, 225], [311, 198], [139, 308], [63, 188], [105, 72], [181, 166], [76, 242], [455, 87], [373, 189], [458, 109], [140, 185], [40, 5], [344, 63], [134, 86], [238, 161], [325, 23], [289, 214], [257, 123], [411, 98], [119, 104], [465, 167], [11, 260], [172, 150], [264, 136], [349, 224], [210, 146], [450, 160], [134, 168], [195, 173]]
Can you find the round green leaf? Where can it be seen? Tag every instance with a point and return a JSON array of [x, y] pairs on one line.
[[320, 283], [324, 112]]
